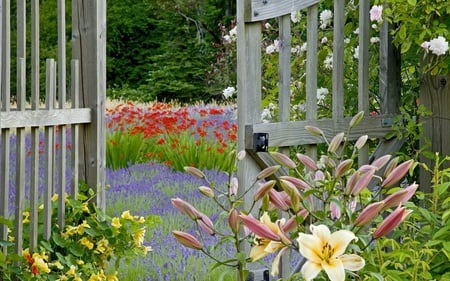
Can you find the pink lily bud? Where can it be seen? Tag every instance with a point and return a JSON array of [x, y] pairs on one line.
[[400, 196], [361, 141], [398, 173], [369, 213], [276, 198], [263, 189], [343, 167], [335, 142], [356, 119], [186, 208], [391, 166], [380, 162], [351, 182], [207, 191], [195, 172], [268, 172], [296, 181], [241, 155], [335, 211], [367, 168], [259, 228], [307, 161], [233, 186], [314, 130], [233, 220], [391, 222], [187, 240], [206, 224], [289, 187], [284, 238], [283, 159], [292, 222], [362, 182]]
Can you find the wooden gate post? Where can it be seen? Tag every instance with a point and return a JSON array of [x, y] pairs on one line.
[[89, 48], [435, 96]]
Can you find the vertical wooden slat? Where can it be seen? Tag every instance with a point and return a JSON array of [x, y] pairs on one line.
[[20, 161], [5, 106], [284, 100], [34, 181], [75, 98], [89, 47], [311, 71], [62, 105], [338, 59], [363, 70], [49, 147]]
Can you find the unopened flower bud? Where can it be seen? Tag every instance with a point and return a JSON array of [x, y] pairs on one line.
[[206, 224], [241, 155], [268, 172], [369, 213], [400, 196], [195, 172], [259, 228], [336, 142], [314, 130], [343, 167], [398, 173], [283, 159], [391, 166], [207, 191], [356, 119], [380, 162], [296, 181], [307, 161], [187, 240], [361, 141], [186, 208], [391, 222], [263, 189], [278, 200], [234, 220], [362, 182]]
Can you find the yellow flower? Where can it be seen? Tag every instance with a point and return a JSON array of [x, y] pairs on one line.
[[126, 215], [87, 243], [70, 230], [115, 222], [71, 271], [40, 264], [55, 197], [85, 207], [80, 262], [26, 218], [62, 277], [265, 246], [139, 236], [102, 245], [325, 250], [81, 227], [141, 220], [98, 277], [77, 278], [58, 265]]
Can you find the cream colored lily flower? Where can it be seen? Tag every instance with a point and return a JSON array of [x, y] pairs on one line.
[[265, 246], [325, 250]]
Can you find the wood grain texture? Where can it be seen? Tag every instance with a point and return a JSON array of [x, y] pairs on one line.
[[258, 10]]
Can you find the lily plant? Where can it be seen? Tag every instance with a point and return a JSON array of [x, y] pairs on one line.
[[330, 212]]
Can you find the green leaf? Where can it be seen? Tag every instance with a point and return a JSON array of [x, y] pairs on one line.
[[412, 2], [61, 242], [77, 250]]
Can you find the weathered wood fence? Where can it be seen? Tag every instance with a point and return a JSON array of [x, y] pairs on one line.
[[283, 134], [78, 107]]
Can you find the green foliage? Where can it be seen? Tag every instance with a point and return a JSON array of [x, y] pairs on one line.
[[419, 249], [163, 48], [82, 250], [123, 149]]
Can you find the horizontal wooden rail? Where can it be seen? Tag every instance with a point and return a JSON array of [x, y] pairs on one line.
[[44, 117], [294, 133], [258, 10]]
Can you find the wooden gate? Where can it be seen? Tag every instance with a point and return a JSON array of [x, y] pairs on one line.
[[46, 120], [251, 15]]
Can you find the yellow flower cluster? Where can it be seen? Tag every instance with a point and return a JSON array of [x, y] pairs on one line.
[[72, 230], [101, 276]]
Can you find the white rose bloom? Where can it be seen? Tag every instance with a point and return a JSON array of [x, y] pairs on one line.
[[296, 16], [328, 62], [326, 16], [321, 93], [438, 46], [356, 52], [374, 40], [228, 92]]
